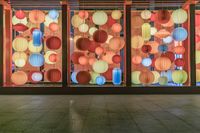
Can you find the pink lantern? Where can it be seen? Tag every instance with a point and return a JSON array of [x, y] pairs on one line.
[[83, 14], [20, 14], [91, 60], [116, 28], [83, 60], [99, 50], [53, 27]]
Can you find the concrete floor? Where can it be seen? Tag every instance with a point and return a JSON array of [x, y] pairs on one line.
[[100, 114]]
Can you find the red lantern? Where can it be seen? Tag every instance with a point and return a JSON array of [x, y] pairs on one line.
[[179, 62], [108, 74], [146, 48], [53, 57], [83, 14], [20, 27], [163, 16], [170, 55], [100, 36], [83, 77], [75, 57], [54, 75], [83, 43], [53, 27], [116, 59], [53, 42], [92, 46], [110, 21], [99, 50], [20, 14]]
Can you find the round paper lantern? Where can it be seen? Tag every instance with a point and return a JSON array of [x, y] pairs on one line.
[[146, 48], [168, 39], [179, 50], [116, 14], [163, 16], [197, 75], [20, 27], [197, 57], [162, 63], [136, 60], [110, 21], [179, 62], [162, 33], [92, 30], [179, 16], [20, 44], [116, 43], [19, 78], [83, 43], [20, 14], [179, 76], [168, 74], [19, 55], [99, 18], [153, 31], [146, 77], [36, 16], [94, 75], [83, 77], [37, 37], [163, 48], [116, 28], [170, 55], [154, 46], [146, 14], [83, 14], [15, 21], [53, 57], [136, 42], [34, 49], [48, 21], [170, 23], [91, 60], [146, 62], [107, 57], [83, 28], [135, 77], [20, 62], [92, 46], [116, 59], [53, 14], [36, 60], [73, 77], [180, 34], [54, 75], [136, 22], [53, 43], [100, 80], [163, 80], [35, 76], [108, 74], [100, 36], [75, 57], [146, 31], [100, 66], [53, 27], [156, 77], [99, 50], [76, 21], [83, 60], [50, 57]]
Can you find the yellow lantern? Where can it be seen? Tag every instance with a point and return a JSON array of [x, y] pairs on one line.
[[19, 55], [19, 78], [20, 44], [83, 28], [100, 66], [92, 30], [15, 20], [47, 58], [135, 77], [179, 76], [116, 14], [76, 21], [136, 42], [197, 57], [99, 18], [20, 62], [197, 75], [48, 20], [146, 14], [34, 49], [146, 31], [156, 76], [179, 16]]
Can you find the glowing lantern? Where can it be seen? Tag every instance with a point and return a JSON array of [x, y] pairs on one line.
[[146, 14], [36, 60], [153, 30], [92, 30], [83, 77], [15, 20], [170, 23], [100, 66], [116, 76], [20, 27], [83, 14], [83, 28], [154, 46], [53, 14], [146, 77], [146, 48], [19, 78], [53, 27], [162, 63], [163, 48], [35, 76], [73, 77], [34, 49], [135, 77], [94, 75], [100, 80], [136, 22], [20, 62], [54, 75], [162, 33], [107, 57], [100, 36], [19, 58], [179, 76], [179, 62], [91, 60], [167, 39], [99, 50], [146, 62], [170, 55], [197, 75], [20, 14], [92, 46], [116, 59], [110, 21], [146, 31], [116, 14], [156, 77], [136, 42], [136, 60], [163, 80], [179, 16], [20, 44], [197, 57], [83, 60], [83, 43], [37, 37], [50, 57], [180, 34], [116, 28], [163, 16], [75, 56], [36, 16], [48, 21], [76, 21], [99, 18], [53, 42], [116, 43], [179, 50]]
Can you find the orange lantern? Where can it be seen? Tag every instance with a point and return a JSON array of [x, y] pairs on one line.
[[163, 63], [163, 16], [83, 14], [36, 16], [116, 28], [83, 60], [91, 60], [179, 50], [154, 46], [19, 78], [115, 43], [136, 60], [99, 50], [53, 27], [162, 33], [146, 77]]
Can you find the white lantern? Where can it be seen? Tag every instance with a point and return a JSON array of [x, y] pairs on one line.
[[76, 21], [99, 18], [153, 30], [146, 14], [48, 20], [83, 28], [116, 14], [47, 57], [20, 62], [20, 44], [92, 30], [179, 16]]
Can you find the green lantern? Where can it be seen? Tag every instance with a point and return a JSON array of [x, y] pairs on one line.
[[135, 77], [94, 75], [179, 76]]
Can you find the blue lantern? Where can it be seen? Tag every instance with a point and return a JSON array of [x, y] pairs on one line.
[[116, 76], [36, 76], [163, 48], [180, 34], [73, 77], [53, 14], [168, 39], [37, 37], [36, 60], [168, 74], [100, 80], [146, 62]]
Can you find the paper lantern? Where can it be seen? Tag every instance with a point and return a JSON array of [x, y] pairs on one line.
[[20, 27], [20, 14], [162, 63], [197, 57], [163, 80], [83, 14], [116, 28], [179, 16], [146, 48], [34, 49], [20, 44], [110, 21], [180, 62], [168, 39], [75, 56], [107, 57], [163, 16], [116, 14], [179, 76], [83, 43], [99, 18], [99, 50], [35, 76], [117, 76], [146, 77], [37, 37], [19, 55], [180, 34], [168, 74], [136, 60], [48, 21], [100, 66], [116, 43], [91, 60], [50, 57], [100, 80], [54, 27], [83, 77], [170, 23], [197, 18], [146, 31], [76, 21], [15, 21], [135, 77], [36, 60], [170, 55], [100, 36], [197, 75], [20, 62], [92, 30], [92, 46], [116, 59], [73, 77], [179, 49], [108, 74], [93, 75], [54, 75], [53, 43], [136, 42], [53, 14], [146, 14], [153, 31], [154, 46], [109, 37], [136, 22], [156, 77], [163, 48], [83, 28], [146, 62], [162, 33], [83, 60], [19, 78], [36, 17]]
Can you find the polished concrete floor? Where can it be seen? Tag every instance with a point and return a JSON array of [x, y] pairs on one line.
[[100, 114]]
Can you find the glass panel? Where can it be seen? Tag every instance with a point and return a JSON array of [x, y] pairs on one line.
[[197, 27]]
